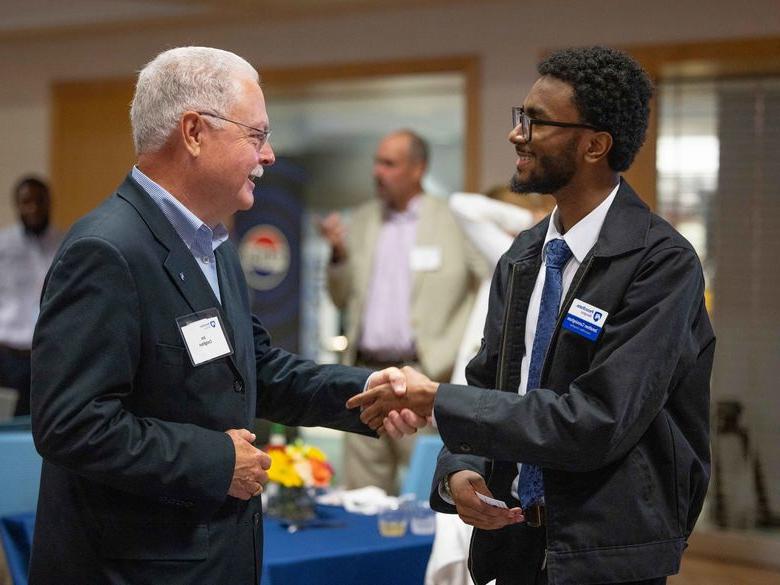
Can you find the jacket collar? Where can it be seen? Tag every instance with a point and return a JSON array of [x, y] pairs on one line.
[[625, 229], [179, 263], [626, 226], [159, 225]]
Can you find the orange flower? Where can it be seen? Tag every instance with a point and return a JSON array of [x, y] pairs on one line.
[[322, 472], [299, 465]]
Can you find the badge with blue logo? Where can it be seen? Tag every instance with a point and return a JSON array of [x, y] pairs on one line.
[[585, 319]]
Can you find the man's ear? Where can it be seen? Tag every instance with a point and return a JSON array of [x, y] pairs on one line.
[[192, 128], [599, 145]]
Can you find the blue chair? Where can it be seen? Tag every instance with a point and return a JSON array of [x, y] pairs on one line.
[[422, 464], [21, 469]]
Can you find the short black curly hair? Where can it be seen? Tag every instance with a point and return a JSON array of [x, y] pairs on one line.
[[611, 91]]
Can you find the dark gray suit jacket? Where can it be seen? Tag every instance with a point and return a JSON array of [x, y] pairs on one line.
[[136, 462]]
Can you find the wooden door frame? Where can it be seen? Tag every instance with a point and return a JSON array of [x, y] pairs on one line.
[[467, 65], [722, 58]]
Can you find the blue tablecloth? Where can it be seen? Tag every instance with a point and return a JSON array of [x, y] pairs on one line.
[[16, 534], [352, 553]]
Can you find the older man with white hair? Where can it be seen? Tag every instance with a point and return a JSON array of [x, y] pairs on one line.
[[147, 364]]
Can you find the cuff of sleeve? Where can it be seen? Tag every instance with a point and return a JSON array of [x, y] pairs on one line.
[[444, 492], [445, 495], [368, 380]]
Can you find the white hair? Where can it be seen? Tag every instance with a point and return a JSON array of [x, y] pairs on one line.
[[183, 79]]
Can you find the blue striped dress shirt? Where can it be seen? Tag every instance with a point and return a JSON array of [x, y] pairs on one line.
[[201, 240]]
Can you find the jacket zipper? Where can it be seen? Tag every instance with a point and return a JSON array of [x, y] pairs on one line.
[[567, 300], [507, 313]]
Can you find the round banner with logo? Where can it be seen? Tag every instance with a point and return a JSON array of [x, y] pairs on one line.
[[265, 257]]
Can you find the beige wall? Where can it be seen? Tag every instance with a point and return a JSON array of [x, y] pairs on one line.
[[507, 36]]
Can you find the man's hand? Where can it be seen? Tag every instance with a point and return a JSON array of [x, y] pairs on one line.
[[463, 486], [394, 377], [250, 471], [396, 424], [380, 400], [333, 230]]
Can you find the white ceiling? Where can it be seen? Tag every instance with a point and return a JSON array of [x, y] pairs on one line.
[[26, 15], [23, 17]]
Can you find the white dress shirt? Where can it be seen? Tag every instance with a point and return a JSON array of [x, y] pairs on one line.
[[201, 240], [580, 238], [24, 262]]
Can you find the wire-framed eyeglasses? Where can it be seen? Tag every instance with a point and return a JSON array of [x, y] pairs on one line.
[[258, 136], [526, 124]]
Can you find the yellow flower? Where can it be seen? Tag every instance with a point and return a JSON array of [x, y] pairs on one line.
[[299, 465], [282, 470]]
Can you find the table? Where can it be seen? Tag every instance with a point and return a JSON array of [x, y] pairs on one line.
[[352, 553], [16, 534]]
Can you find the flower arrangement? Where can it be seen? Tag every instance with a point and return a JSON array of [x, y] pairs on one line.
[[299, 465], [297, 470]]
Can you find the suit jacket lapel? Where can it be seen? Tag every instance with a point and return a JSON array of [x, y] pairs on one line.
[[182, 268], [229, 294]]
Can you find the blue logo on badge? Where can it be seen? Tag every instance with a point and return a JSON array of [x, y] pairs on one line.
[[596, 316], [213, 324]]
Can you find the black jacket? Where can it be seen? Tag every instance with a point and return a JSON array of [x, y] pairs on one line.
[[620, 424], [136, 462]]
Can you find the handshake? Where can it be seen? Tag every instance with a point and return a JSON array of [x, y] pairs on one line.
[[396, 401]]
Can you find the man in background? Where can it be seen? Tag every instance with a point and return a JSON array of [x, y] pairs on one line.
[[406, 277], [26, 251]]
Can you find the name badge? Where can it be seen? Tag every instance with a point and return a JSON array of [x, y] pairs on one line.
[[585, 319], [425, 258], [204, 337]]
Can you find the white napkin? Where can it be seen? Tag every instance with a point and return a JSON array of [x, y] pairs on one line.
[[368, 500]]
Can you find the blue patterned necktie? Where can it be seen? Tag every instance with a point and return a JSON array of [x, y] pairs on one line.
[[557, 254]]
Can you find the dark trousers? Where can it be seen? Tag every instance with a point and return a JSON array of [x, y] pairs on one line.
[[527, 567], [15, 373]]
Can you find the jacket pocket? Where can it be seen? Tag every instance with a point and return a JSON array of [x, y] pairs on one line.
[[172, 355], [153, 541]]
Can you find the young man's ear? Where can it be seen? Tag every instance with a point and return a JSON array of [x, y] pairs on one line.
[[599, 145]]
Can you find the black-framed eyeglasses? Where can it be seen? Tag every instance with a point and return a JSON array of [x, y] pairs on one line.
[[525, 123], [258, 136]]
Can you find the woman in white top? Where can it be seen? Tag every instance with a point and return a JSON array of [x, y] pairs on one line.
[[491, 224]]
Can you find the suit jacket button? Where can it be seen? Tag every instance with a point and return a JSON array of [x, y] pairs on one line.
[[256, 518], [238, 385], [465, 447]]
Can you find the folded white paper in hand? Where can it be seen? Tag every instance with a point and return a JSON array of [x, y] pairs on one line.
[[491, 501]]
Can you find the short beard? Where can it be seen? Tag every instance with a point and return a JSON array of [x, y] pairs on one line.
[[553, 173], [36, 230]]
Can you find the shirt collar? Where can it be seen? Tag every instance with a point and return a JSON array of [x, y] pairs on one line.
[[194, 232], [411, 212], [583, 235]]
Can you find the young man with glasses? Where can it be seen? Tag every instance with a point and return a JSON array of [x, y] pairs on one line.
[[593, 433]]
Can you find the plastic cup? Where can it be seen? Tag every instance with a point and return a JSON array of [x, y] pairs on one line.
[[392, 522], [423, 519]]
